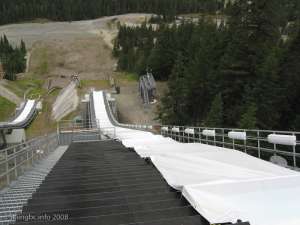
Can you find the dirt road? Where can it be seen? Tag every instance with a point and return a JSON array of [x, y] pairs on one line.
[[6, 93]]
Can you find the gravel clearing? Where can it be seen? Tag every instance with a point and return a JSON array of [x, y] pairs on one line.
[[33, 32]]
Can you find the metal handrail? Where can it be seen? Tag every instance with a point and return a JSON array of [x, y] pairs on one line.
[[26, 153], [83, 128], [221, 138], [255, 140]]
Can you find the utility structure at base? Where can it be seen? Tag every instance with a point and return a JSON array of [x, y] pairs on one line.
[[147, 88]]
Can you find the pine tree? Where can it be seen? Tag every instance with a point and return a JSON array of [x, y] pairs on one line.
[[290, 82], [174, 110], [12, 59], [268, 90], [163, 55], [248, 119], [215, 115], [23, 48]]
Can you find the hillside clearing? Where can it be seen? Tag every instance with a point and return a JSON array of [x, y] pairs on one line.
[[7, 109]]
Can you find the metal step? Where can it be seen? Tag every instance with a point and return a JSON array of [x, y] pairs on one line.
[[102, 183]]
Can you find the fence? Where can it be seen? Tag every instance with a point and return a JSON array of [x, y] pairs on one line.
[[282, 148], [83, 131], [264, 144], [15, 160]]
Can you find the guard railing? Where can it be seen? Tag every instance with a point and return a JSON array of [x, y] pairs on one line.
[[264, 144], [80, 131], [15, 160]]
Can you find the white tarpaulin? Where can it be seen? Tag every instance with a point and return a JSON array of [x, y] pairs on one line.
[[223, 185], [25, 112]]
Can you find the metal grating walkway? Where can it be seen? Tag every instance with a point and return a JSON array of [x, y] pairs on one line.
[[104, 183], [15, 197]]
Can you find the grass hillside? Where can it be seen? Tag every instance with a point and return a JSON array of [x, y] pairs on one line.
[[7, 109]]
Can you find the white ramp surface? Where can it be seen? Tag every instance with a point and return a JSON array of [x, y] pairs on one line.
[[25, 113], [223, 185]]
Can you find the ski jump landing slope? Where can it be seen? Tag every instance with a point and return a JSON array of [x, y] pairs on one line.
[[223, 185], [23, 118]]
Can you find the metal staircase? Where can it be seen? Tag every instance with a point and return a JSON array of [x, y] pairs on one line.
[[15, 197], [105, 183]]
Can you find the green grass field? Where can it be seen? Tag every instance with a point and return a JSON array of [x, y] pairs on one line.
[[7, 109]]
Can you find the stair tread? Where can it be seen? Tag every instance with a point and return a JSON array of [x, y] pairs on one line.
[[99, 183]]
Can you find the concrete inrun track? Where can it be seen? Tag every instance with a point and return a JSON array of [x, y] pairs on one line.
[[105, 183], [23, 118]]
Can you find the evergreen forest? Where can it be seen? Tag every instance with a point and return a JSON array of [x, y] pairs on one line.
[[12, 58], [243, 73]]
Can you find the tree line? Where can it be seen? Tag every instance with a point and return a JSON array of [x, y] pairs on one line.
[[244, 73], [12, 11], [12, 58]]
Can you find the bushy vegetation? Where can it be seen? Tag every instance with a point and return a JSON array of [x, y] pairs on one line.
[[12, 59], [243, 73]]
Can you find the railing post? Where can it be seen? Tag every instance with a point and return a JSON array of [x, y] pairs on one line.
[[215, 140], [223, 137], [181, 136], [32, 159], [258, 144], [200, 135], [15, 164], [27, 158], [58, 132], [194, 136], [294, 155], [245, 143], [7, 168]]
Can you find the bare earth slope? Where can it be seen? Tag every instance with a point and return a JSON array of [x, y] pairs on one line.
[[61, 49]]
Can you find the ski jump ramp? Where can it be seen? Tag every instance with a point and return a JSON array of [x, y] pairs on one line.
[[223, 185], [23, 118]]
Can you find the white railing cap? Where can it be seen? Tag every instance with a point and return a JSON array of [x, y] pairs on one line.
[[189, 131], [165, 128], [176, 129], [282, 139], [210, 133], [237, 135]]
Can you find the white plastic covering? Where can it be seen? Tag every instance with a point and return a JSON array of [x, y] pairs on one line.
[[25, 113], [210, 133], [175, 129], [282, 139], [189, 131], [237, 135], [165, 128], [223, 185]]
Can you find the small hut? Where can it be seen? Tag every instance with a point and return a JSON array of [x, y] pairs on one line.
[[147, 88]]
